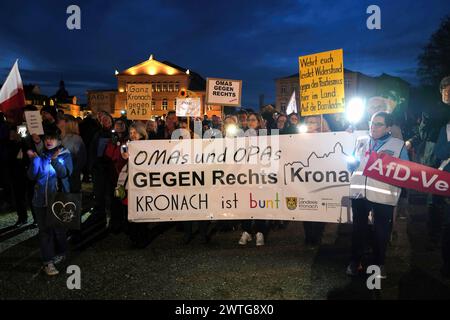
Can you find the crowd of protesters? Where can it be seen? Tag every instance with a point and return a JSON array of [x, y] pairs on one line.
[[94, 149]]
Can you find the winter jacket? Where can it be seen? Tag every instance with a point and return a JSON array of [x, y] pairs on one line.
[[51, 175], [97, 148], [114, 156], [77, 149]]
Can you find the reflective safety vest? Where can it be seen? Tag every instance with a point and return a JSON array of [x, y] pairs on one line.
[[362, 187]]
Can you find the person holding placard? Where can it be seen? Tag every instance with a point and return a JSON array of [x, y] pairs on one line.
[[314, 230], [22, 187], [138, 232], [368, 194]]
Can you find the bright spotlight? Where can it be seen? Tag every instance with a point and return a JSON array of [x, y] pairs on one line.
[[232, 130], [355, 110], [350, 159], [303, 128]]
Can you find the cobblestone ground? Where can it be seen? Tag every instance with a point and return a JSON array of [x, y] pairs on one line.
[[168, 269]]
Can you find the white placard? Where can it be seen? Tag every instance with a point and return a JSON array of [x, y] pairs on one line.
[[188, 107], [288, 177], [34, 122], [448, 132], [224, 92]]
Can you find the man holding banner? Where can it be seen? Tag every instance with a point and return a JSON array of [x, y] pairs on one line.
[[368, 194]]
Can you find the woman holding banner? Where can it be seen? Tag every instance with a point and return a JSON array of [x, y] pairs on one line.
[[137, 231], [292, 126], [255, 128], [368, 194], [314, 230]]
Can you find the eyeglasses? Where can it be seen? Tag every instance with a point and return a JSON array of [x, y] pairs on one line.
[[376, 124]]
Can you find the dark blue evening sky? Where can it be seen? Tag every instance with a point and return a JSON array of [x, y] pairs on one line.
[[256, 41]]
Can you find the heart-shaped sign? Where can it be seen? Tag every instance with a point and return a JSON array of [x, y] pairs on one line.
[[64, 212]]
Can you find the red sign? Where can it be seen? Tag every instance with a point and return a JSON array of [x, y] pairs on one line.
[[406, 174]]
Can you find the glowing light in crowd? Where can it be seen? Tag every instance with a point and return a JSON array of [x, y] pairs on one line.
[[232, 130], [123, 112], [303, 128], [22, 130], [350, 159], [355, 110], [116, 72]]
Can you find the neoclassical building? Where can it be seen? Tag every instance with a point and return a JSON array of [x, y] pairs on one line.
[[167, 81]]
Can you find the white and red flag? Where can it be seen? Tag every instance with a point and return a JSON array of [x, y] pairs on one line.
[[12, 96]]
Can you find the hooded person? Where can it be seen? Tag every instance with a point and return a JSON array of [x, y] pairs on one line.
[[49, 118], [51, 171]]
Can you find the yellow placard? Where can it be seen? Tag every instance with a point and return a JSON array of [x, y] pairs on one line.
[[322, 83]]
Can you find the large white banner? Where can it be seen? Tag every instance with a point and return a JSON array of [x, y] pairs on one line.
[[299, 177]]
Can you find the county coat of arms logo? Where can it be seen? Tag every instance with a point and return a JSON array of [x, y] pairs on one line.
[[291, 203]]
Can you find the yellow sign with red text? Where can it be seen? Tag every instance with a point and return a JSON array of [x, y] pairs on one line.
[[322, 83]]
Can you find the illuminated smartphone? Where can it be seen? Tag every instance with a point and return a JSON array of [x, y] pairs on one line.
[[22, 130]]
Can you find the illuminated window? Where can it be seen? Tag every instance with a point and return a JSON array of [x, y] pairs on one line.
[[158, 87], [164, 87], [177, 86], [153, 105], [170, 87], [164, 104], [153, 87]]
